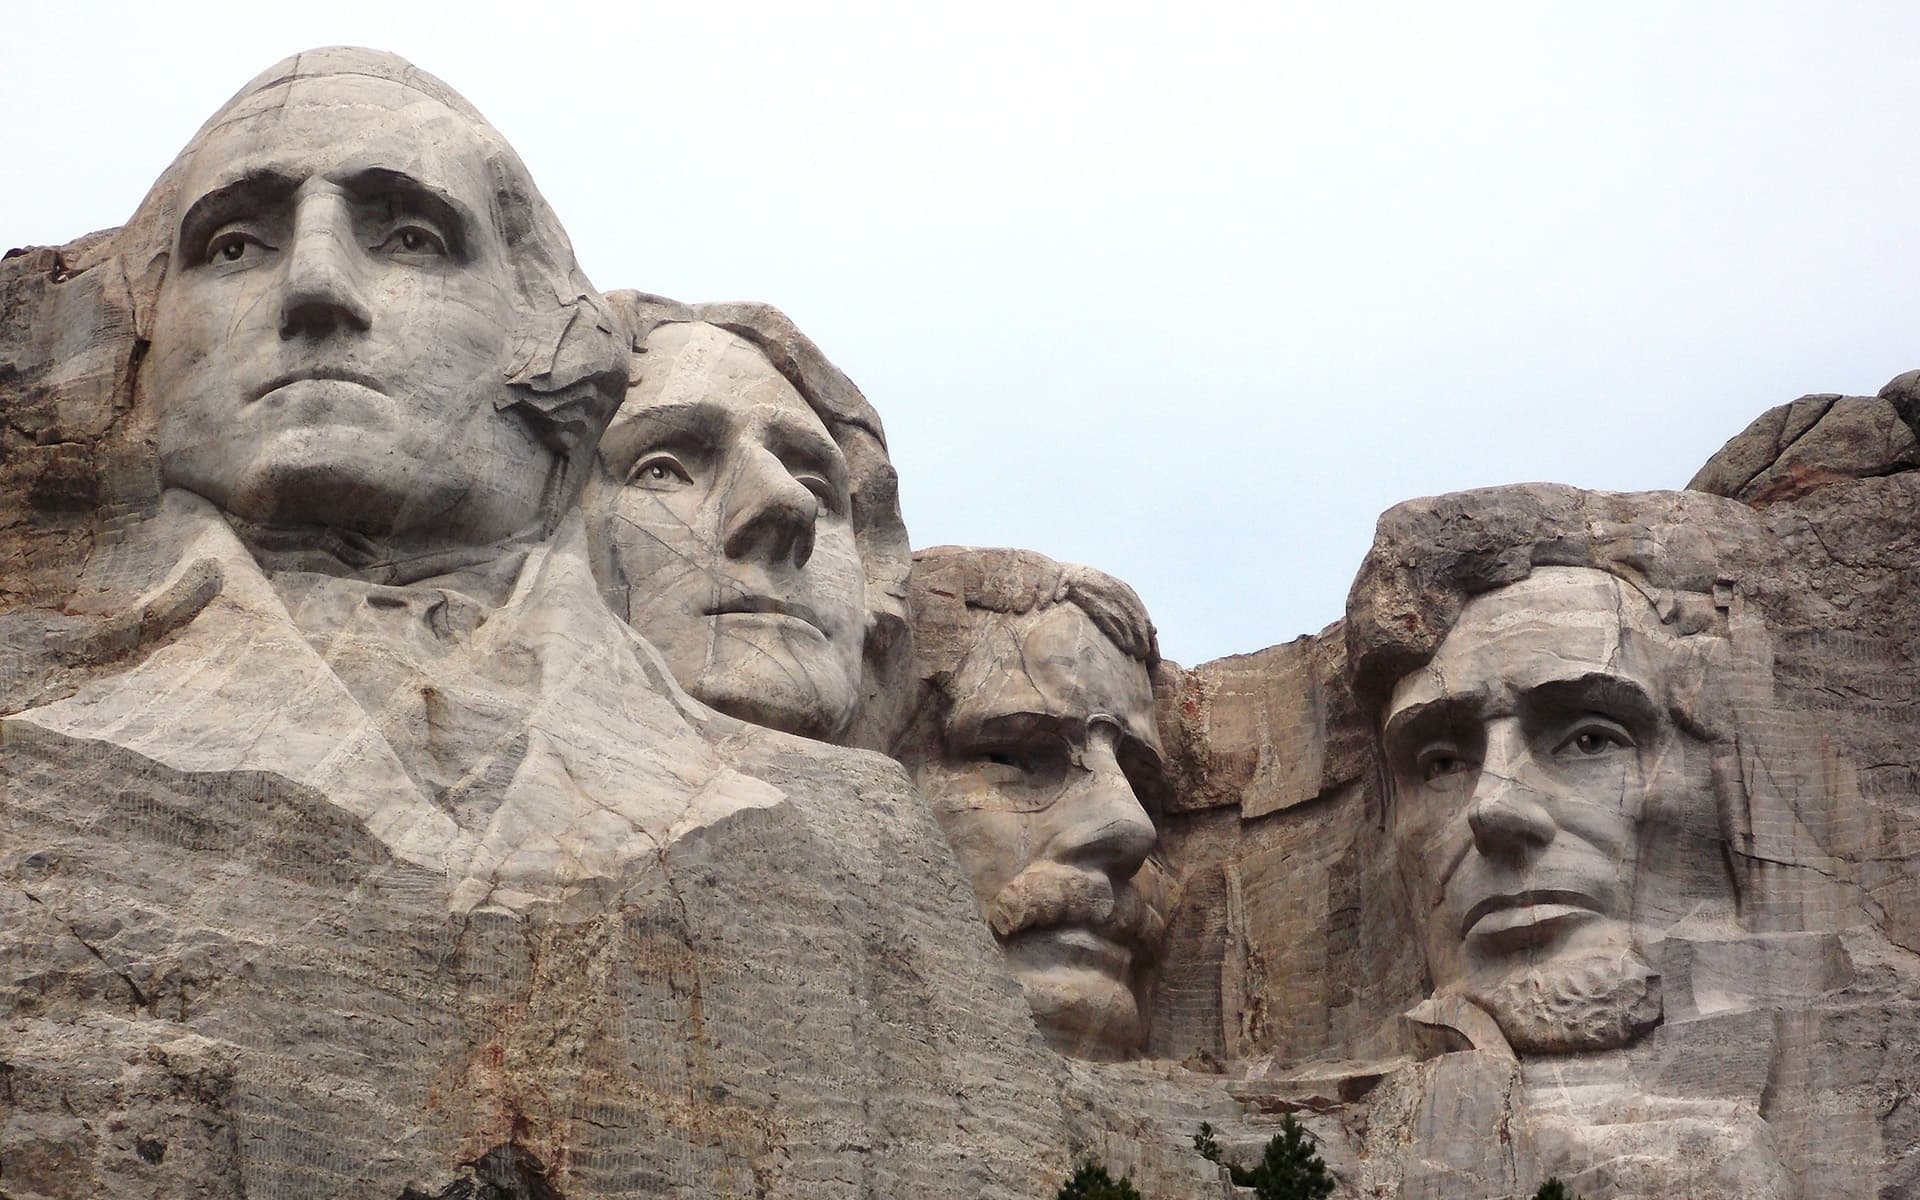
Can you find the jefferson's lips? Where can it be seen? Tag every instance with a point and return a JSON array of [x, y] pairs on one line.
[[767, 604], [1550, 903], [1073, 945], [341, 374]]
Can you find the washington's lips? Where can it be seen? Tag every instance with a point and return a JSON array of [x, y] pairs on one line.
[[1517, 913], [767, 605], [316, 374]]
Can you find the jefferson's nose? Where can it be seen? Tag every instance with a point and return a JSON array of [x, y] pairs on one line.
[[1506, 814], [769, 514], [321, 294], [1099, 822]]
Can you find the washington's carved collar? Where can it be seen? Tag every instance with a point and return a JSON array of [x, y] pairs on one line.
[[485, 574]]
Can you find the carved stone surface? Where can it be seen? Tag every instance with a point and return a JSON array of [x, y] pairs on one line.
[[403, 647], [1035, 745]]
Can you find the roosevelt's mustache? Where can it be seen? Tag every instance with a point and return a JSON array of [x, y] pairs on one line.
[[1049, 894]]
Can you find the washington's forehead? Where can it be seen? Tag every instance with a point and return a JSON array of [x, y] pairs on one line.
[[319, 125]]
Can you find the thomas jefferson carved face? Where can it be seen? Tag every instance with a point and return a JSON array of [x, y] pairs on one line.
[[1547, 810], [723, 525], [329, 341], [1050, 736]]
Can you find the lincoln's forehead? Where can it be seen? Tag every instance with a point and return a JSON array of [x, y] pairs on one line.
[[1560, 623]]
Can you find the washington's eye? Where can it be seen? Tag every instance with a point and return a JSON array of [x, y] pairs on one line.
[[659, 472], [413, 238], [1592, 740], [233, 246]]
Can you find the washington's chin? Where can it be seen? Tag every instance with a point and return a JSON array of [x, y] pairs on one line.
[[1084, 1012]]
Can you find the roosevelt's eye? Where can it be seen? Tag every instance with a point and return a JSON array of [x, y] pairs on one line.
[[234, 245], [658, 472], [1594, 739], [413, 238]]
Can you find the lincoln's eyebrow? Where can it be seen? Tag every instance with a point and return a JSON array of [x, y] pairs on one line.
[[410, 194], [252, 193], [1429, 717], [1610, 695]]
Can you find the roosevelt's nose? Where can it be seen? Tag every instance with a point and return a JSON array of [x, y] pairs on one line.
[[321, 293], [1507, 815], [1099, 822], [769, 514]]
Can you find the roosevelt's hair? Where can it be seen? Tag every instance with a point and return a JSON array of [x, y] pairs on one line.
[[565, 361], [950, 582]]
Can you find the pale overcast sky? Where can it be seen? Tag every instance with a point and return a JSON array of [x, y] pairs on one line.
[[1188, 292]]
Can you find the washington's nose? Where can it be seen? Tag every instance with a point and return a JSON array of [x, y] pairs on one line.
[[1099, 822], [321, 294], [1506, 815], [770, 514]]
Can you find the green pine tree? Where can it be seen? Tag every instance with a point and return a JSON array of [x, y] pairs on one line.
[[1553, 1189], [1090, 1181], [1204, 1142], [1291, 1168]]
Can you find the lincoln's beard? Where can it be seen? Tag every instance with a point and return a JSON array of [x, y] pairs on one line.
[[1595, 1001]]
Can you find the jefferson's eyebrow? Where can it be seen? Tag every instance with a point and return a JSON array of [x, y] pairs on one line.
[[668, 423], [375, 184], [795, 438], [252, 192]]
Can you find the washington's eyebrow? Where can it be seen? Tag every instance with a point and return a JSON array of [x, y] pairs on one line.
[[1610, 695], [251, 193], [376, 184]]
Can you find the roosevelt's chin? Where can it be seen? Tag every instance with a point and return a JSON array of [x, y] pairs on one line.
[[1082, 1012]]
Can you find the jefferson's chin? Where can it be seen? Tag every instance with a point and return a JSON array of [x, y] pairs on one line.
[[1567, 1004], [1083, 1012], [778, 672]]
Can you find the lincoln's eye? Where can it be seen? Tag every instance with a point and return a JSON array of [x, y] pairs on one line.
[[1439, 765]]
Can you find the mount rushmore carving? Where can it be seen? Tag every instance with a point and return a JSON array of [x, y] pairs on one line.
[[467, 733]]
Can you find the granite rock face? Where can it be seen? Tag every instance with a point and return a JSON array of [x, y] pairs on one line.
[[445, 716]]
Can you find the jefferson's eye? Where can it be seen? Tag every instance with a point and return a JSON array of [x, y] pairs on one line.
[[413, 239], [658, 472], [824, 491]]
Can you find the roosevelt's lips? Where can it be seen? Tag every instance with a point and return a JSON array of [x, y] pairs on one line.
[[341, 374], [767, 604], [1557, 897]]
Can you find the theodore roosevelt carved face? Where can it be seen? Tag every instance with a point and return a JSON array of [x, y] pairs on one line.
[[1535, 762], [1040, 756]]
